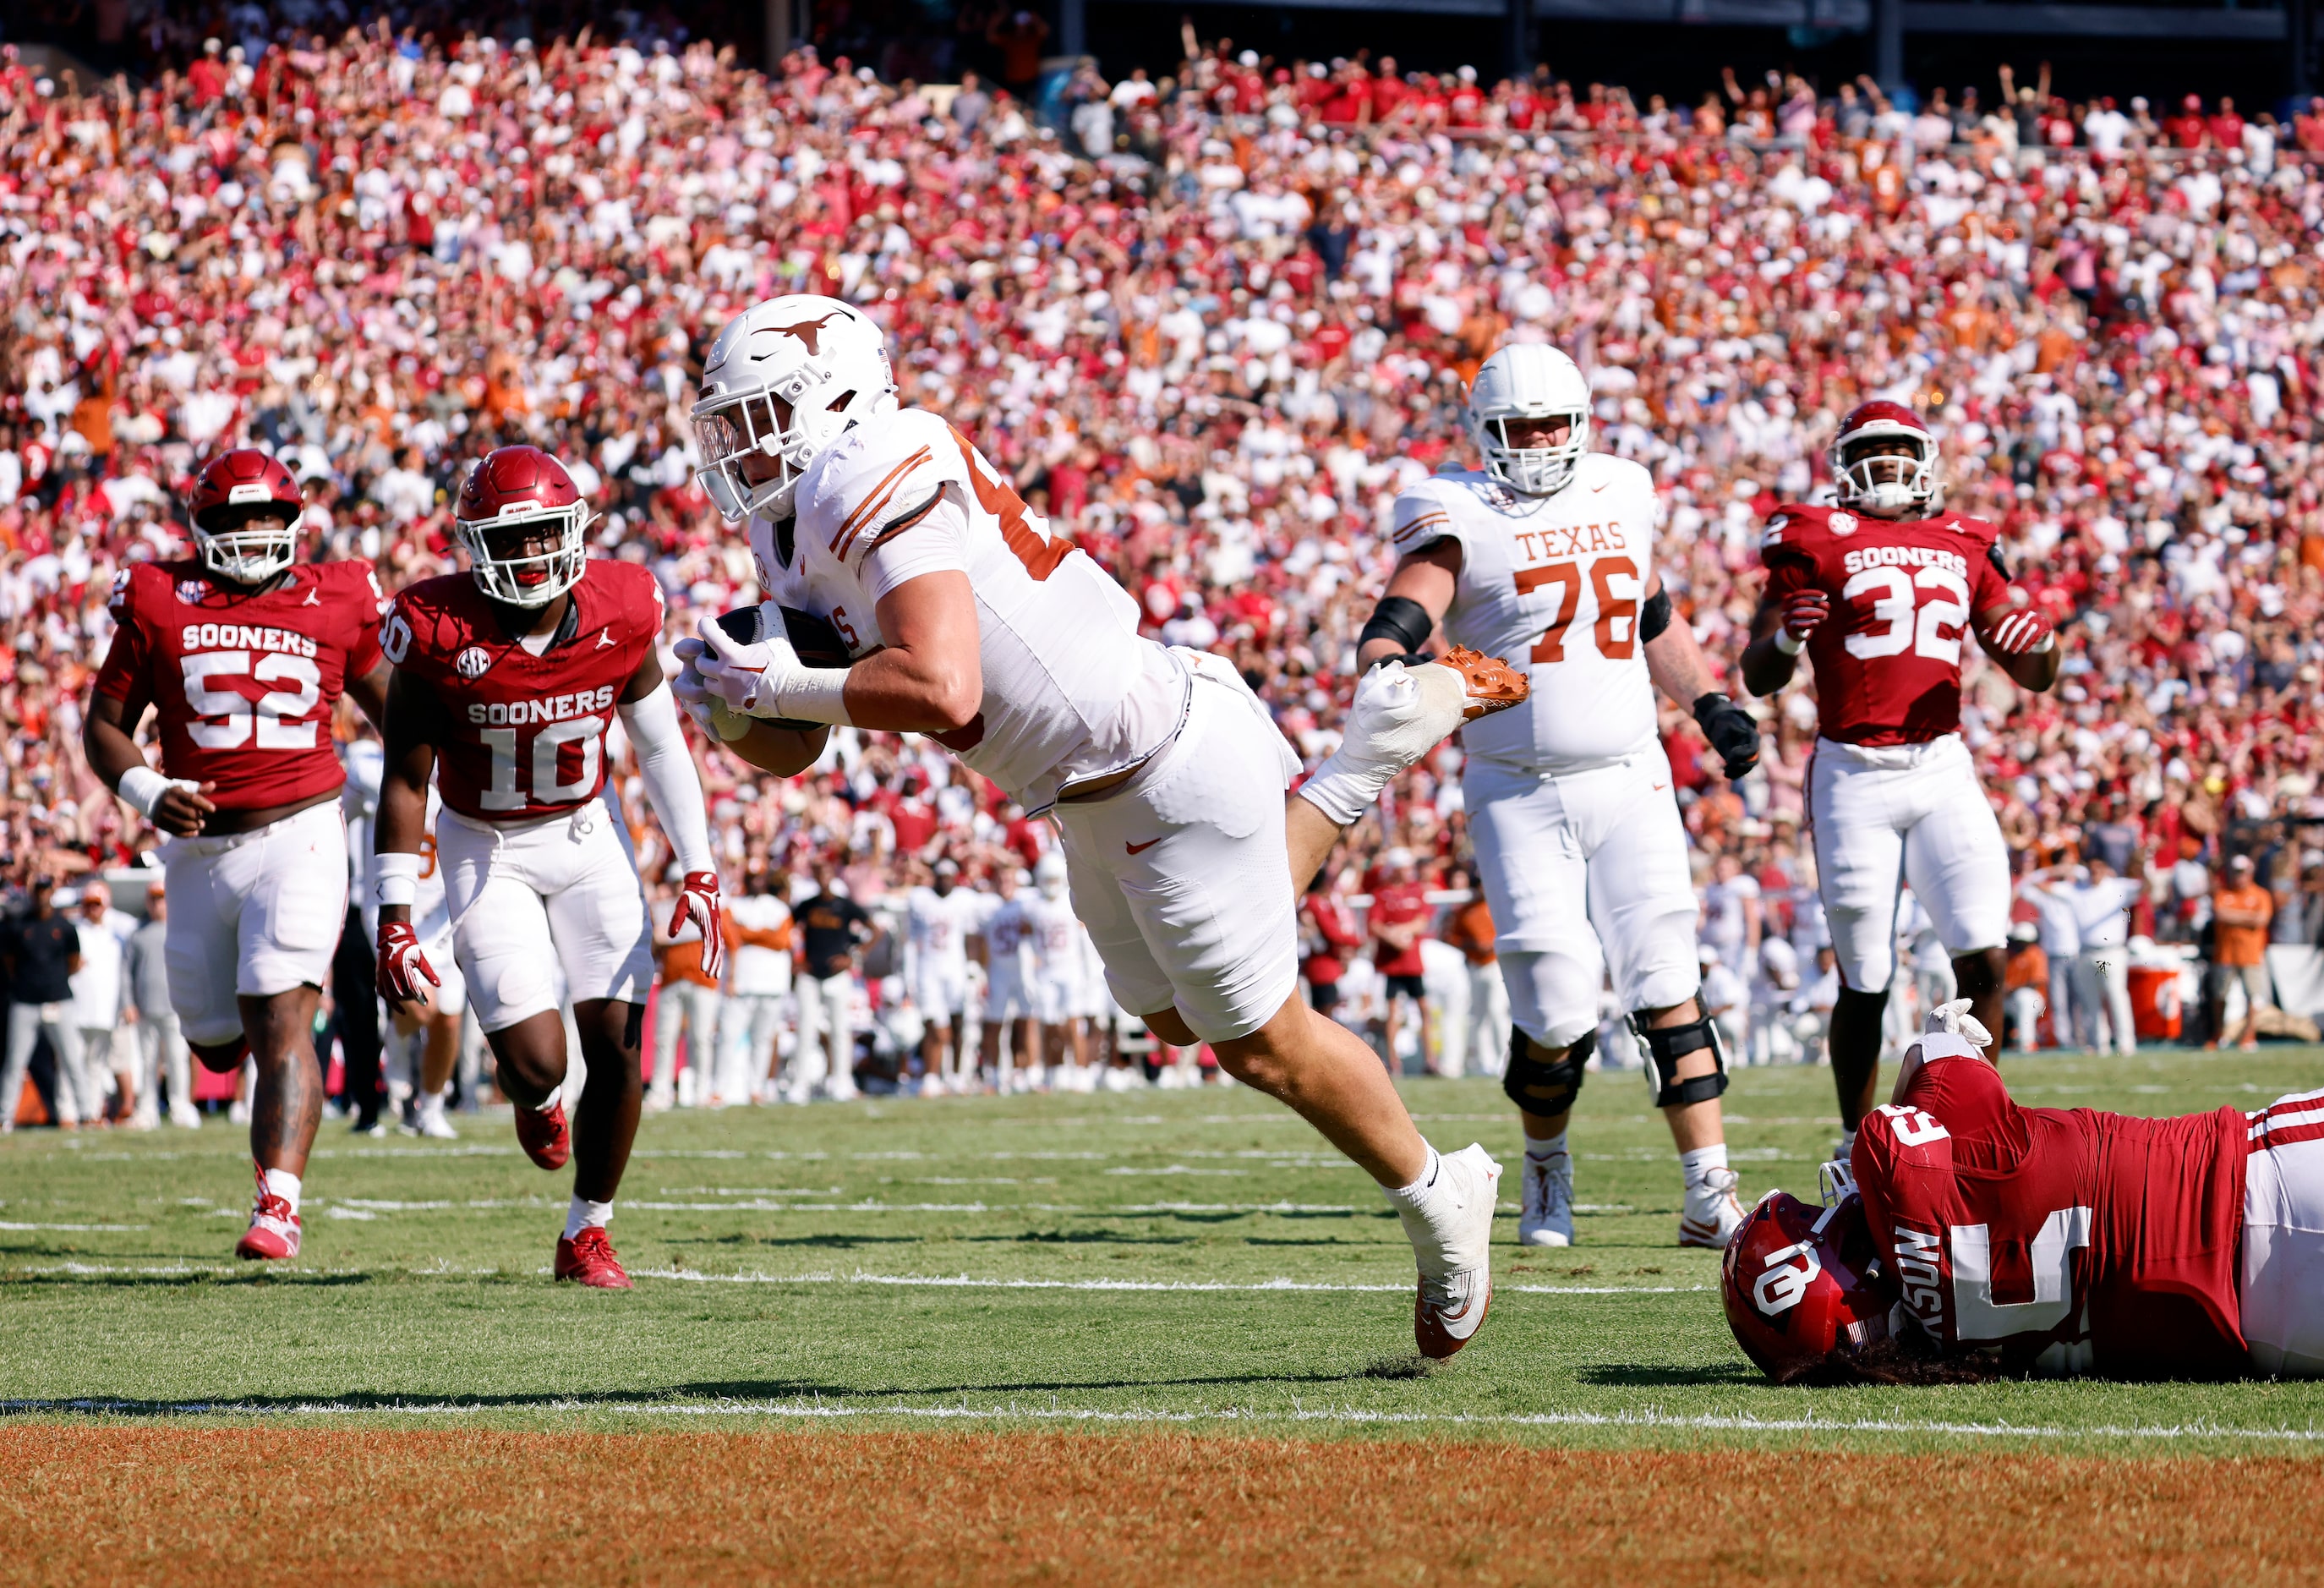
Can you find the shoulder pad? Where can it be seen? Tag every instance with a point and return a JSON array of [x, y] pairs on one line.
[[1974, 529], [876, 473], [1794, 525], [1423, 514]]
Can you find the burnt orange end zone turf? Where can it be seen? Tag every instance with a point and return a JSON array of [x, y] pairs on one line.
[[310, 1506]]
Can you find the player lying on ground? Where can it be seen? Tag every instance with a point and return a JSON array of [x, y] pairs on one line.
[[244, 652], [959, 616], [1548, 550], [1878, 591], [506, 679], [2048, 1239]]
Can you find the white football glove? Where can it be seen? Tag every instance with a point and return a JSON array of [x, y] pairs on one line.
[[1955, 1019], [693, 692], [746, 678]]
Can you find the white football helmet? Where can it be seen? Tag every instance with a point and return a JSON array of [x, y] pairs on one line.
[[1530, 380], [783, 381]]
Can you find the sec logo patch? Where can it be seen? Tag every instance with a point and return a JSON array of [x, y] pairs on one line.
[[472, 663], [1842, 523]]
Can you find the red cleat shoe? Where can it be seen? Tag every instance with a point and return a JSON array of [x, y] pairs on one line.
[[273, 1232], [543, 1135], [587, 1259]]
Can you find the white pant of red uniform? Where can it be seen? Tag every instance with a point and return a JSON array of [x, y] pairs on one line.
[[1181, 875], [2282, 1279], [253, 914], [695, 1006], [1905, 812], [532, 897], [1584, 872]]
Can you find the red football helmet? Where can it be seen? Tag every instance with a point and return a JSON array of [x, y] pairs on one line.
[[244, 510], [521, 519], [1871, 475], [1799, 1287]]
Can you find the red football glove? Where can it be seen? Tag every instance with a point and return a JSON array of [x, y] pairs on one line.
[[2023, 632], [1804, 612], [698, 898], [401, 963]]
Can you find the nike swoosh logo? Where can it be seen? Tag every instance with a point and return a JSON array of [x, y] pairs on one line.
[[605, 639], [1599, 486], [1140, 848], [1660, 787]]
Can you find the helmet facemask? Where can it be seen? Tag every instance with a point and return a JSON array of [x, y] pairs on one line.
[[529, 556], [249, 543], [1536, 471], [1888, 474], [766, 424]]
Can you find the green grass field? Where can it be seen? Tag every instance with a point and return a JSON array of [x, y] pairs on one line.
[[1193, 1260]]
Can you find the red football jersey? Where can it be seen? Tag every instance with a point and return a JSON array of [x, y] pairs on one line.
[[2071, 1240], [523, 735], [244, 684], [1887, 661]]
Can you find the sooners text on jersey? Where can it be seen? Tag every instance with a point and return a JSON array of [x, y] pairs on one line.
[[2072, 1241], [244, 684], [1888, 659], [523, 735], [1557, 581]]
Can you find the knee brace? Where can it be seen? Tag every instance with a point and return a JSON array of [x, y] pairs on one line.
[[1669, 1043], [1542, 1085]]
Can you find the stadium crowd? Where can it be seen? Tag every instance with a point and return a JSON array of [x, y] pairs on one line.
[[1214, 320]]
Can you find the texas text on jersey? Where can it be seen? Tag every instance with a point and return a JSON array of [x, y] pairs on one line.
[[1559, 581], [2070, 1240], [1887, 666], [244, 684], [526, 732]]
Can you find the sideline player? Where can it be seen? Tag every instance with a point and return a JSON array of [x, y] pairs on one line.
[[426, 1039], [1008, 1010], [506, 680], [244, 652], [969, 621], [1548, 549], [941, 917], [1053, 976], [1878, 591], [2050, 1240]]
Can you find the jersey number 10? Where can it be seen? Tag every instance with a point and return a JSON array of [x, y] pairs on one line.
[[548, 789]]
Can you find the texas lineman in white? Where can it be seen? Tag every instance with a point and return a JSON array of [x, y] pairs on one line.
[[1548, 551], [966, 619]]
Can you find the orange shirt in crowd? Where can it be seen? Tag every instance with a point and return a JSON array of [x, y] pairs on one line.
[[1471, 930], [2240, 930], [682, 961]]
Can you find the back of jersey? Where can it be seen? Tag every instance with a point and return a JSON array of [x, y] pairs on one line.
[[1557, 582], [1071, 690]]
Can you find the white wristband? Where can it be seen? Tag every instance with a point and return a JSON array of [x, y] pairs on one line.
[[141, 788], [1788, 644], [815, 695], [394, 878]]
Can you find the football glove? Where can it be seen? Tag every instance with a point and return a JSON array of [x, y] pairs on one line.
[[1804, 614], [698, 901], [1731, 732], [2023, 632], [402, 965]]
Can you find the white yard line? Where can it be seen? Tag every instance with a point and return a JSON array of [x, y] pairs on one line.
[[1013, 1411]]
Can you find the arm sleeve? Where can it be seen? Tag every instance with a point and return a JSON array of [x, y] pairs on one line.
[[671, 783], [926, 539]]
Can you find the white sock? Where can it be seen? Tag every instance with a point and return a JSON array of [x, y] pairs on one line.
[[1413, 1195], [1700, 1162], [1546, 1146], [1847, 1149], [282, 1183], [585, 1215], [556, 1095]]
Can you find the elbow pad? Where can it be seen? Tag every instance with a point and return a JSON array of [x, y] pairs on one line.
[[1401, 621], [1654, 616]]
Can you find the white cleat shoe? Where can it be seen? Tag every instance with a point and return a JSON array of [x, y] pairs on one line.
[[1713, 1210], [1452, 1233], [1547, 1219], [185, 1116], [1399, 714], [432, 1124]]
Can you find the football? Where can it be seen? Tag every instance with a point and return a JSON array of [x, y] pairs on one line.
[[819, 644]]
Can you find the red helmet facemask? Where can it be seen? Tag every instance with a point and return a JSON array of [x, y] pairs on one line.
[[1884, 462], [1802, 1285], [244, 510]]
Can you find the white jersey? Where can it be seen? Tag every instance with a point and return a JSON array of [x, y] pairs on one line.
[[1054, 935], [756, 969], [1005, 931], [1558, 581], [1072, 690], [940, 925]]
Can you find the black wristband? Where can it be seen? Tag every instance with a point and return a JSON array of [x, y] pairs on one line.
[[1399, 620]]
